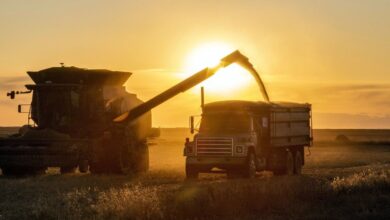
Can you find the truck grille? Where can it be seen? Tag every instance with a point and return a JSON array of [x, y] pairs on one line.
[[214, 146]]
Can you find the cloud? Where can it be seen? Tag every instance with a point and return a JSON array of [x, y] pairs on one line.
[[372, 99], [339, 120], [13, 82]]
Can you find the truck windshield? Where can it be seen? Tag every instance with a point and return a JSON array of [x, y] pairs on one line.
[[225, 123]]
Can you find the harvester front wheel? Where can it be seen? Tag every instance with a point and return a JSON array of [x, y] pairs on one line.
[[23, 171], [125, 166], [83, 166], [96, 168], [142, 159]]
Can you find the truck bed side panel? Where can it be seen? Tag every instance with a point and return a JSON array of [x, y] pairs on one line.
[[290, 126]]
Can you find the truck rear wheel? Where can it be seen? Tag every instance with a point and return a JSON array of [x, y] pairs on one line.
[[282, 163], [298, 162], [289, 163]]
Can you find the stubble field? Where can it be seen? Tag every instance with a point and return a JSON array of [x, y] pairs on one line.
[[341, 180]]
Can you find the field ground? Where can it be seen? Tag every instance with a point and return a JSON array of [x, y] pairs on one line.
[[341, 180]]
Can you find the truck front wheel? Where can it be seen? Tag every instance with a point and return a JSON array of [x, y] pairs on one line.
[[192, 173], [250, 166]]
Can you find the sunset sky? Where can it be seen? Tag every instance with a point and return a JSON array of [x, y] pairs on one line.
[[333, 54]]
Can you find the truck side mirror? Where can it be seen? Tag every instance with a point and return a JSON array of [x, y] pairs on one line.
[[192, 129], [20, 108]]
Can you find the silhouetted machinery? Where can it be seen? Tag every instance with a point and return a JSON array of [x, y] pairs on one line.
[[84, 118]]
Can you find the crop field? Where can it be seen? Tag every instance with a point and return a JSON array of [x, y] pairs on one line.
[[346, 176]]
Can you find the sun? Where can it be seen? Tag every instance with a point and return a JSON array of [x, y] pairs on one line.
[[225, 80]]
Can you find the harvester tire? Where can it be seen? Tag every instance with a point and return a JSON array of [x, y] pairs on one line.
[[123, 163], [142, 159], [39, 171], [83, 166], [96, 168], [23, 171], [233, 174]]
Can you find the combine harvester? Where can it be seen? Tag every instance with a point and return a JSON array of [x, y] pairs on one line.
[[85, 118]]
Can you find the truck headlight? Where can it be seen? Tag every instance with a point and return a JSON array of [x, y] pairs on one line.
[[239, 149]]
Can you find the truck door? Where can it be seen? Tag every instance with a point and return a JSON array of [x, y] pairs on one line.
[[262, 132]]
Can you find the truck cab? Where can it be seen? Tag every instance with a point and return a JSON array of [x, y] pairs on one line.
[[242, 137]]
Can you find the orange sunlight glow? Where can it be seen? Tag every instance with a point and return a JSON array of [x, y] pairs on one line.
[[225, 80]]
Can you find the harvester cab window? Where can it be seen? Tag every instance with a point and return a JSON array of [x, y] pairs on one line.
[[55, 107]]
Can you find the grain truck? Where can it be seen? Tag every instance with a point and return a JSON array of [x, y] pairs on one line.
[[242, 137], [85, 118]]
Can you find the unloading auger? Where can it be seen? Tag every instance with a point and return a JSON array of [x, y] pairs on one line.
[[234, 57]]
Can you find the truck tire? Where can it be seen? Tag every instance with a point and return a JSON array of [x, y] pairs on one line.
[[289, 163], [286, 166], [250, 166], [97, 168], [40, 170], [298, 163], [83, 166], [68, 169], [233, 173], [192, 173]]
